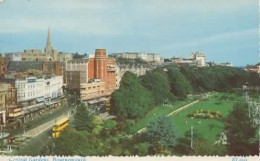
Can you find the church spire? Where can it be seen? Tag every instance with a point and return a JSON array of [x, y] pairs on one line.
[[49, 38], [48, 48]]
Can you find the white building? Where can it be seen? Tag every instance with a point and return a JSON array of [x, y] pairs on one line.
[[199, 58], [52, 87], [196, 59], [16, 56], [227, 64], [153, 58], [34, 90], [149, 57]]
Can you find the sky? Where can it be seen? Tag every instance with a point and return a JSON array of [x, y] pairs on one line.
[[226, 31]]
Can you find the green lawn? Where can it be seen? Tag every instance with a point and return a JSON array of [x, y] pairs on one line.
[[158, 111], [210, 128]]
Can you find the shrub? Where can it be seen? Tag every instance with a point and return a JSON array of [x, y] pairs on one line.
[[110, 124]]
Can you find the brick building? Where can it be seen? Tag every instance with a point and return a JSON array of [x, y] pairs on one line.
[[9, 109], [3, 65], [82, 73]]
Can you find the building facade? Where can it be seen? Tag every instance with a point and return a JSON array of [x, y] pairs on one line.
[[10, 109], [16, 56], [3, 95], [92, 90], [148, 57], [80, 72], [33, 90], [76, 73], [196, 59], [3, 65], [199, 59]]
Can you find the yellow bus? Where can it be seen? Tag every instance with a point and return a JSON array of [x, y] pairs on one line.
[[59, 125]]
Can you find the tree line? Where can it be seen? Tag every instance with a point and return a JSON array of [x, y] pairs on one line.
[[137, 95]]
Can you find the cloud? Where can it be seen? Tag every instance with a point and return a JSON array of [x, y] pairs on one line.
[[224, 37], [99, 17]]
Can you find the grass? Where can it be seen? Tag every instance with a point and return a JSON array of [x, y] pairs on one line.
[[158, 111], [208, 129]]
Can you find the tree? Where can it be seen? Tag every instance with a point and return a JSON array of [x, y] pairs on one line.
[[131, 100], [83, 118], [73, 99], [141, 149], [203, 147], [184, 144], [162, 131], [180, 86], [241, 133], [98, 125], [157, 82], [71, 142]]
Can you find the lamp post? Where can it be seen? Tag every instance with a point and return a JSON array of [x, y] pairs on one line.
[[191, 135]]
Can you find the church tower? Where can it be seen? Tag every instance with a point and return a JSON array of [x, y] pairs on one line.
[[48, 48]]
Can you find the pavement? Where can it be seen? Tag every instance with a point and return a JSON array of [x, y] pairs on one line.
[[39, 129]]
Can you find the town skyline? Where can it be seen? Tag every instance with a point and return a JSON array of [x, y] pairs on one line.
[[147, 29]]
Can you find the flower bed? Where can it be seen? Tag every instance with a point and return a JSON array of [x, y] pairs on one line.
[[205, 114]]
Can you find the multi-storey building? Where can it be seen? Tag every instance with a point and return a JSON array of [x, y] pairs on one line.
[[9, 107], [148, 57], [34, 90], [15, 56], [53, 87], [196, 59], [46, 67], [3, 94], [76, 73], [3, 65], [92, 90], [199, 59], [80, 72]]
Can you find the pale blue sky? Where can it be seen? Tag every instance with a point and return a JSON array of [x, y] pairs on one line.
[[225, 30]]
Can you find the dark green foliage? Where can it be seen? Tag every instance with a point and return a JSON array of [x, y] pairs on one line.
[[73, 99], [241, 134], [217, 78], [254, 79], [184, 144], [141, 149], [156, 81], [180, 86], [202, 147], [71, 142], [131, 100], [110, 124], [162, 131], [83, 118]]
